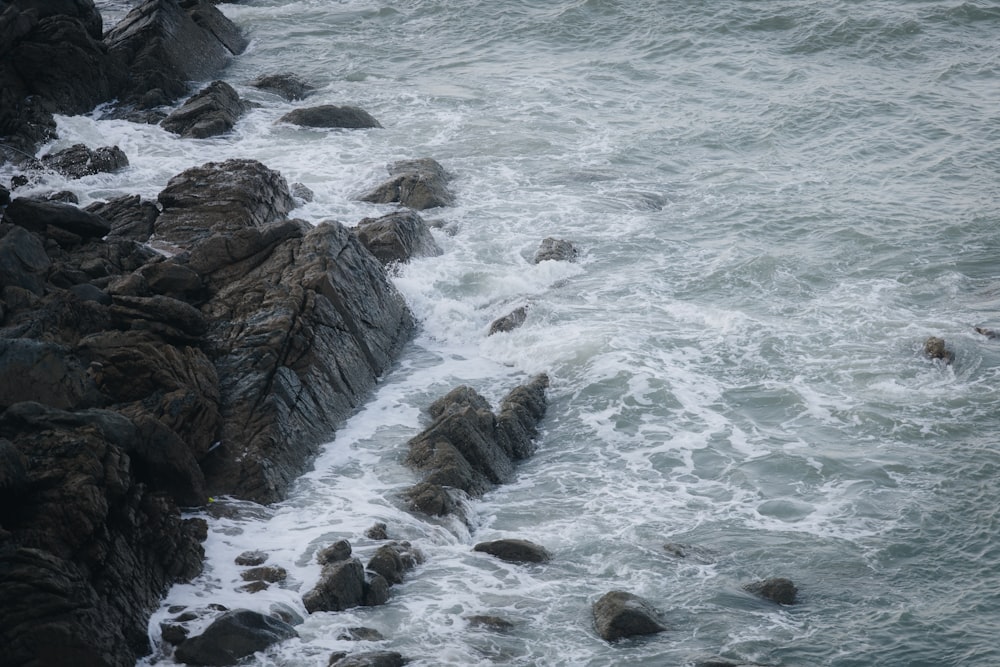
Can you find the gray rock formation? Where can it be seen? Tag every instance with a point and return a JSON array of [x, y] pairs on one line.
[[510, 321], [515, 551], [331, 116], [289, 86], [78, 160], [233, 636], [212, 111], [367, 659], [618, 615], [776, 589], [557, 250], [417, 184], [397, 237]]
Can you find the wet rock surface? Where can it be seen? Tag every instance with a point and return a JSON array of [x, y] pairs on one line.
[[619, 615], [214, 110], [233, 636], [331, 116], [397, 237], [417, 184]]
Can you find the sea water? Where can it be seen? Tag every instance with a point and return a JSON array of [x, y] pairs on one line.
[[775, 204]]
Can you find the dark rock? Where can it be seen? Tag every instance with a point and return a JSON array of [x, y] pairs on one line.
[[361, 634], [300, 191], [393, 560], [4, 196], [378, 531], [491, 623], [23, 260], [64, 196], [555, 250], [341, 586], [376, 591], [272, 574], [221, 198], [369, 659], [78, 160], [983, 331], [88, 292], [691, 552], [515, 551], [417, 184], [170, 278], [288, 86], [212, 111], [163, 46], [776, 589], [45, 372], [397, 237], [251, 558], [129, 216], [254, 587], [285, 613], [469, 449], [458, 398], [178, 318], [934, 348], [232, 636], [330, 116], [618, 615], [509, 322], [173, 633], [338, 551], [47, 218]]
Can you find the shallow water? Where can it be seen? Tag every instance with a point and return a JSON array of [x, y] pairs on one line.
[[776, 203]]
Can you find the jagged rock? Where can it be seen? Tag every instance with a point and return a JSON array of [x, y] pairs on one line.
[[300, 191], [170, 278], [393, 560], [417, 184], [369, 659], [776, 589], [555, 250], [78, 160], [331, 116], [934, 348], [130, 216], [88, 551], [251, 558], [515, 551], [23, 260], [378, 531], [162, 46], [48, 218], [397, 237], [46, 372], [232, 636], [212, 111], [64, 196], [983, 331], [338, 551], [285, 613], [619, 614], [272, 574], [468, 449], [341, 586], [376, 590], [173, 633], [510, 321], [289, 86], [221, 197]]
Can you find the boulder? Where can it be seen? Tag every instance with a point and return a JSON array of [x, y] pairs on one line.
[[393, 560], [233, 636], [510, 321], [212, 111], [49, 218], [468, 450], [78, 160], [368, 659], [556, 250], [397, 237], [514, 551], [162, 45], [361, 634], [220, 198], [338, 551], [776, 589], [618, 615], [982, 331], [417, 184], [378, 531], [341, 586], [46, 372], [331, 116], [289, 86], [23, 260], [271, 574], [251, 558], [491, 623]]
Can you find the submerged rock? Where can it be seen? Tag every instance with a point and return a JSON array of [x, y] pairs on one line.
[[331, 116], [934, 348], [618, 615], [776, 589], [515, 551], [510, 321], [289, 86]]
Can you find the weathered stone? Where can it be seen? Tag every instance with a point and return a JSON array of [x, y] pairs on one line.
[[619, 614], [129, 216], [491, 623], [361, 634], [514, 551], [417, 184], [251, 558], [23, 260], [289, 86], [397, 237], [233, 636], [378, 531], [78, 160], [556, 250], [272, 574], [338, 551], [341, 586], [393, 560], [934, 348], [42, 216], [212, 111], [331, 116], [170, 278], [510, 321], [376, 591], [776, 589], [368, 659]]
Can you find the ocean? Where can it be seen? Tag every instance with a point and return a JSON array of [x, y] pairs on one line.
[[775, 204]]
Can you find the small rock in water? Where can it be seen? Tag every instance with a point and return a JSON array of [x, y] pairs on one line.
[[361, 634], [289, 86], [618, 615], [989, 333], [251, 558], [510, 321], [329, 115], [515, 551], [935, 348], [377, 532], [339, 550], [556, 250], [776, 589]]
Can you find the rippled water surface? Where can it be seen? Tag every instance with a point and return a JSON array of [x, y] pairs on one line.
[[776, 203]]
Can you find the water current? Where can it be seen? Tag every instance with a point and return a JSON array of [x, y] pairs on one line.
[[775, 202]]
